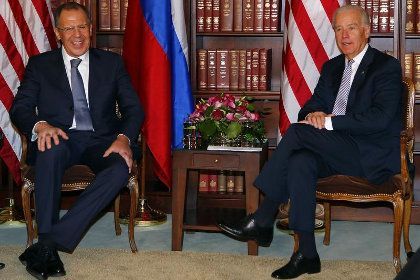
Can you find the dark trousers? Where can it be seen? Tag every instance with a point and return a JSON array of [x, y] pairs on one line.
[[303, 155], [111, 176]]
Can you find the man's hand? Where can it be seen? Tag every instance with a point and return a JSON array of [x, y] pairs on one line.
[[316, 119], [45, 133], [121, 146]]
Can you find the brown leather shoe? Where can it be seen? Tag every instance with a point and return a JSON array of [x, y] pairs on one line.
[[297, 266]]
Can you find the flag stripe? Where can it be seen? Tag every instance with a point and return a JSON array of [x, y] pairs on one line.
[[308, 43], [25, 30], [307, 31]]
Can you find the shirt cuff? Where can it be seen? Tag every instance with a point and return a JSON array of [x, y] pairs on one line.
[[34, 134], [328, 123], [129, 141]]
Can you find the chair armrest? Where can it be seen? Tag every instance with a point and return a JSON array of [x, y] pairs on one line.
[[406, 147]]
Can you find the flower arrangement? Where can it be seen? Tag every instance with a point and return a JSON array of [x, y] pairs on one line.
[[228, 121]]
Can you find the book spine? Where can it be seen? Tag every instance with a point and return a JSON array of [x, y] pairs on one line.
[[275, 12], [242, 70], [258, 15], [255, 65], [213, 181], [230, 182], [417, 16], [202, 69], [362, 3], [375, 16], [208, 15], [104, 15], [238, 182], [200, 15], [383, 16], [237, 15], [203, 185], [234, 70], [263, 71], [416, 79], [216, 16], [227, 15], [391, 15], [248, 70], [211, 69], [221, 181], [124, 6], [409, 65], [115, 15], [267, 16], [369, 4], [248, 16], [222, 73], [409, 17]]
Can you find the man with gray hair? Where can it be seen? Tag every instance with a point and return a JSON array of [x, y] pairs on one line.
[[350, 126]]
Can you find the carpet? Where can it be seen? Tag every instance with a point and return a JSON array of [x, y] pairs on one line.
[[156, 265]]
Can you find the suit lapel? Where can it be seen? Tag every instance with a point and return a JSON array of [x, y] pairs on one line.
[[94, 70], [59, 74], [337, 75], [359, 77]]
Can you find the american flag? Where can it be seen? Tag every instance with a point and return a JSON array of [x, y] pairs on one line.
[[308, 42], [26, 29]]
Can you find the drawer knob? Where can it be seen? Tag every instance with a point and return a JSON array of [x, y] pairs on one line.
[[216, 160]]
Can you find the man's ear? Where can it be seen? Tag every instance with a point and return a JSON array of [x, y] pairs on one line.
[[57, 34]]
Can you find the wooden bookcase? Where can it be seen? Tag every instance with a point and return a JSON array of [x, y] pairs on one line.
[[398, 42]]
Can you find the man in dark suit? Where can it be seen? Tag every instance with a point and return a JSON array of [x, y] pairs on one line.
[[350, 126], [66, 106]]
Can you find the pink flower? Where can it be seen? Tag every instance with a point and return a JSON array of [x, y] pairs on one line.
[[230, 116], [241, 108]]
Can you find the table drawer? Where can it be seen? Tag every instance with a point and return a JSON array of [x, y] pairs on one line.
[[215, 161]]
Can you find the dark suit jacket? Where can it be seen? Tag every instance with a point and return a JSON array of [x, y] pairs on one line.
[[373, 117], [45, 94]]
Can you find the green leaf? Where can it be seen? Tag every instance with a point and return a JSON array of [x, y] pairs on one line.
[[207, 128], [233, 130], [250, 107]]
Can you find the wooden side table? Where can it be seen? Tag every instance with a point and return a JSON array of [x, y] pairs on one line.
[[184, 160]]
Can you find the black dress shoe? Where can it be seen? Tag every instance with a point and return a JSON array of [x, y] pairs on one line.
[[247, 229], [297, 265], [42, 261], [2, 265]]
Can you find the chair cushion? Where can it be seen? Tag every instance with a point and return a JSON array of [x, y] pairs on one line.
[[77, 177], [357, 186]]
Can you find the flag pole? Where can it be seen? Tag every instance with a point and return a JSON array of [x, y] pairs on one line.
[[9, 214], [146, 216]]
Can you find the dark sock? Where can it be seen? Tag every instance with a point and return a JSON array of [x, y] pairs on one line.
[[266, 213], [45, 239], [307, 244]]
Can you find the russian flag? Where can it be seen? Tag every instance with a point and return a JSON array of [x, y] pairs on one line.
[[155, 52]]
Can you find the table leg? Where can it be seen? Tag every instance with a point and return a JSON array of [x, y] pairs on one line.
[[252, 202], [178, 204]]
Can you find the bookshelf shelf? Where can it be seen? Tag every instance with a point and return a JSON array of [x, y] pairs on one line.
[[241, 34]]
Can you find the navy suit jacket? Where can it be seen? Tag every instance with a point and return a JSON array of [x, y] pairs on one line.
[[45, 94], [373, 117]]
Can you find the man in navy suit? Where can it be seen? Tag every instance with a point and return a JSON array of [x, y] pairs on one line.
[[350, 126], [66, 107]]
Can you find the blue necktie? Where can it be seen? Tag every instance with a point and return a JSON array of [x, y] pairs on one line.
[[81, 109], [340, 104]]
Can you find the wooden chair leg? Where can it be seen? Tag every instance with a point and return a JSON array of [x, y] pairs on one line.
[[117, 215], [134, 196], [26, 202], [327, 222], [398, 220], [296, 245], [406, 226]]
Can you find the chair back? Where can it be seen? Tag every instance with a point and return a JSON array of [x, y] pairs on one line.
[[408, 115]]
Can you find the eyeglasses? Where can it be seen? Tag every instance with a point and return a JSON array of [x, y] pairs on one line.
[[71, 29]]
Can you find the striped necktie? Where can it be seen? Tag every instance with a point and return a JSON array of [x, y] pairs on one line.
[[340, 104], [81, 109]]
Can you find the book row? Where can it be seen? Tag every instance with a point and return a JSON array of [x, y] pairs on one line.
[[234, 69], [238, 15], [381, 14], [221, 181], [112, 15]]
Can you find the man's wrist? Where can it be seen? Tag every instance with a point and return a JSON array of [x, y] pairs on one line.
[[124, 137]]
